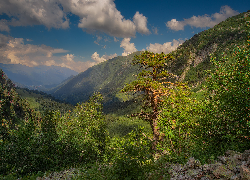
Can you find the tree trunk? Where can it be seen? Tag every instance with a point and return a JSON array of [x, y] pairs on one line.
[[154, 126]]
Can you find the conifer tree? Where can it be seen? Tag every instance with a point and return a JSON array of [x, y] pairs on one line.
[[154, 81]]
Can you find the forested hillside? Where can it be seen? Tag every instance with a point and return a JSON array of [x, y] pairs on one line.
[[107, 77], [40, 101], [174, 132]]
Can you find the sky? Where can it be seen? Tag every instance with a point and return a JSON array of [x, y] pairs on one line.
[[78, 34]]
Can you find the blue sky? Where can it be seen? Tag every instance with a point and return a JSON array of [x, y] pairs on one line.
[[81, 33]]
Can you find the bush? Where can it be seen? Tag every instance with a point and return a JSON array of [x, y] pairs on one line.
[[84, 128], [131, 156], [178, 120], [226, 124], [54, 141]]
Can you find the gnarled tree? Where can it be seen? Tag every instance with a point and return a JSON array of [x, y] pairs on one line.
[[155, 82]]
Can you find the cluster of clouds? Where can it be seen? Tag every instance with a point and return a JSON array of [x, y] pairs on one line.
[[156, 48], [95, 16], [96, 57], [16, 51], [166, 47], [202, 21], [127, 46]]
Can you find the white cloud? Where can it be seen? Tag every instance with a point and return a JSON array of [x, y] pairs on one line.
[[95, 16], [100, 16], [99, 59], [203, 21], [14, 51], [128, 47], [141, 23], [166, 47], [175, 25], [25, 13]]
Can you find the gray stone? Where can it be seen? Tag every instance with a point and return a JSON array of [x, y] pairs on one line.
[[235, 177], [223, 172], [192, 163], [245, 155], [233, 166], [244, 172], [194, 172], [222, 159]]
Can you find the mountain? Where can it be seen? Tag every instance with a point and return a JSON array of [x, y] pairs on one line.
[[193, 56], [39, 77], [191, 59], [107, 77]]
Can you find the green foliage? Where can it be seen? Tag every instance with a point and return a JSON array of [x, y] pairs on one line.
[[131, 156], [226, 124], [177, 121], [41, 102], [197, 74], [32, 147], [85, 129], [222, 38], [12, 108], [54, 141], [108, 78], [151, 82], [119, 126]]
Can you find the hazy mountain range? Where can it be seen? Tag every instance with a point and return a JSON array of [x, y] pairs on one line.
[[39, 77]]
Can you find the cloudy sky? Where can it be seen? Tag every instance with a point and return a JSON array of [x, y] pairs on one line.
[[81, 33]]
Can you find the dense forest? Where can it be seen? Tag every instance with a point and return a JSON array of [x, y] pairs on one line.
[[167, 118]]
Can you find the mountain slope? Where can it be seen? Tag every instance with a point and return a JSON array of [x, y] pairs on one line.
[[191, 59], [107, 77], [40, 77], [193, 56]]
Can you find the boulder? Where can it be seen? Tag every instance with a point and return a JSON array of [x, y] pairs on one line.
[[233, 165]]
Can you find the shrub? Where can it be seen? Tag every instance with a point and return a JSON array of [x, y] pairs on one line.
[[226, 124]]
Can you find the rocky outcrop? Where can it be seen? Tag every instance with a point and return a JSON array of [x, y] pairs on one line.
[[233, 166]]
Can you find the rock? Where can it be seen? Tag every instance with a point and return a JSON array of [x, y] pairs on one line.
[[222, 171], [235, 177], [223, 159], [244, 172], [245, 155], [214, 166], [206, 168], [194, 172], [248, 161], [236, 169], [230, 153], [233, 166], [192, 163]]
